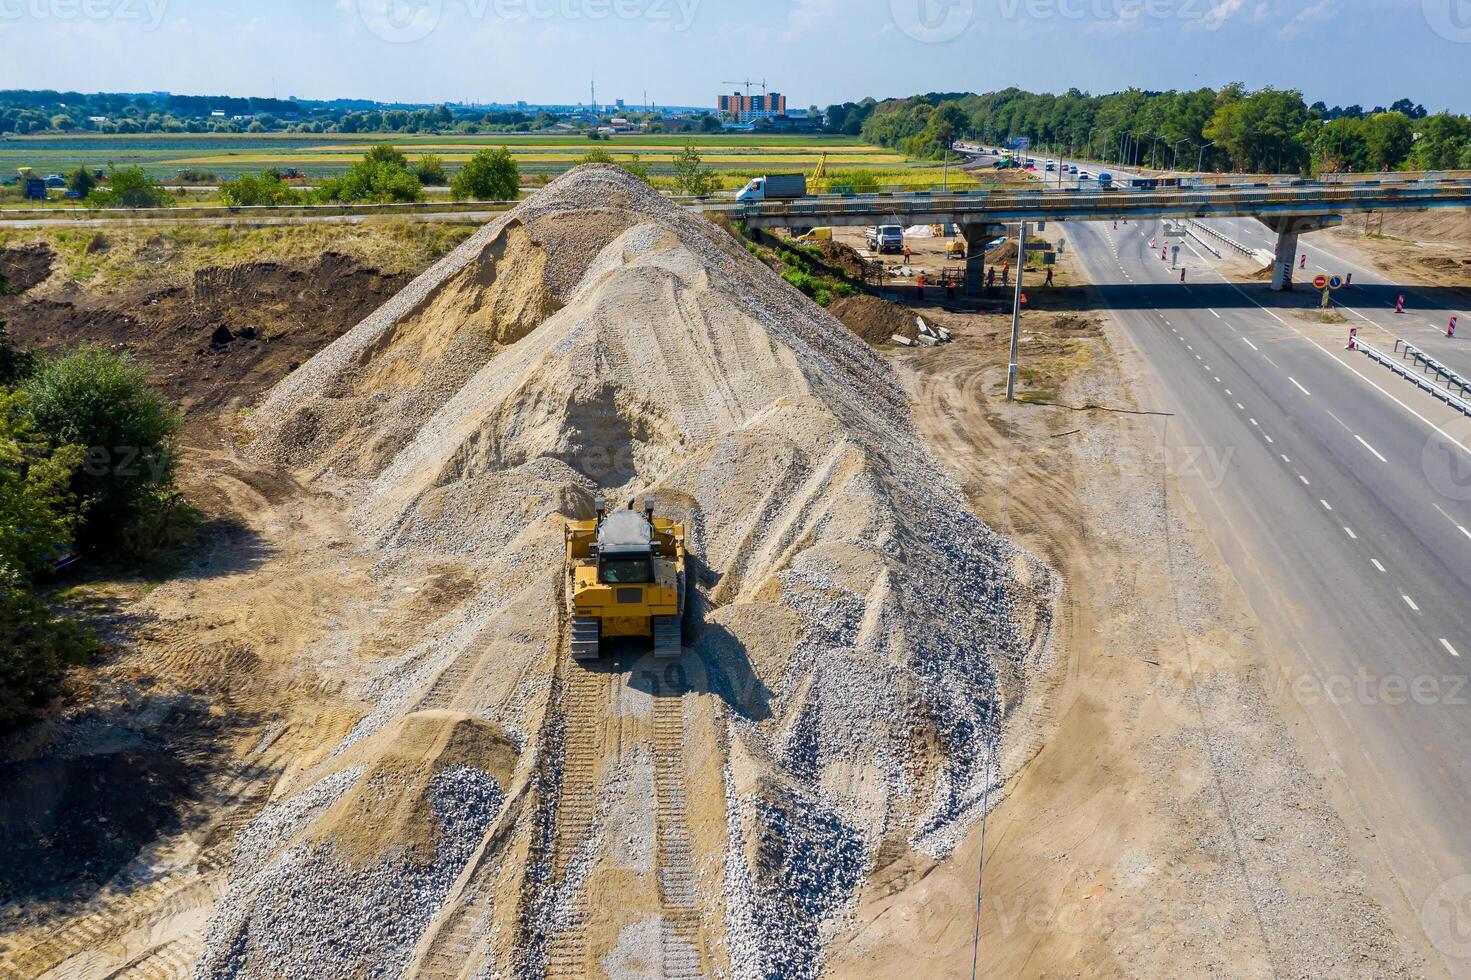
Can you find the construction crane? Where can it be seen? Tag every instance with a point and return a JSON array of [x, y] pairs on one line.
[[748, 83], [820, 172]]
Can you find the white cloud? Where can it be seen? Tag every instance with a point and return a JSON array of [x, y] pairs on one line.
[[1321, 10]]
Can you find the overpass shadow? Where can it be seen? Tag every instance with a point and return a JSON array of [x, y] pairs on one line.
[[1221, 296]]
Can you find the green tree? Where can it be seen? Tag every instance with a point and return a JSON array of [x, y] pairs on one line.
[[709, 124], [129, 187], [430, 171], [249, 190], [633, 163], [387, 153], [372, 182], [691, 176], [37, 517], [81, 180], [102, 401], [1388, 138], [490, 175]]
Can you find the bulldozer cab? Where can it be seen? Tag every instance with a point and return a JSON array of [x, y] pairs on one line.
[[625, 552]]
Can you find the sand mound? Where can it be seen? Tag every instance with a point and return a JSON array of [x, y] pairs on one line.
[[861, 636]]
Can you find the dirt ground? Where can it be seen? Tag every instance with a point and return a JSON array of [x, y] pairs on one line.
[[1429, 247]]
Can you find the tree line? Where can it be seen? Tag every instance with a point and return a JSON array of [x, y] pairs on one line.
[[1231, 128], [28, 112]]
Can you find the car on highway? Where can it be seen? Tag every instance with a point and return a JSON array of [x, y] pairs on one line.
[[1084, 175], [1072, 170]]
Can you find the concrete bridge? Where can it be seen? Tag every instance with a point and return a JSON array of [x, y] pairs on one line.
[[1289, 208]]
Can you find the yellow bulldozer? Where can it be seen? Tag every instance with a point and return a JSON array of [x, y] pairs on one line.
[[625, 577]]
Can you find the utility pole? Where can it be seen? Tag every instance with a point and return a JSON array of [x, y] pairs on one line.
[[1016, 313]]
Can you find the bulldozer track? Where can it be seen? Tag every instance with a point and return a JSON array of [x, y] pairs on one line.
[[585, 703], [131, 900], [171, 961], [678, 899]]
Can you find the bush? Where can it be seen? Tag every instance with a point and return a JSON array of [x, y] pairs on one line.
[[387, 153], [430, 171], [15, 364], [81, 180], [102, 401], [37, 510], [634, 164], [35, 647], [372, 182], [129, 188], [256, 189], [490, 175]]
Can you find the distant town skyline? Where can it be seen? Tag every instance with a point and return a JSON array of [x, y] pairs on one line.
[[689, 52]]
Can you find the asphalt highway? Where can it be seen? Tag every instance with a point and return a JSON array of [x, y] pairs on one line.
[[1341, 497]]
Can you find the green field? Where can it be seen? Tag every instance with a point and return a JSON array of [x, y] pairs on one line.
[[226, 155]]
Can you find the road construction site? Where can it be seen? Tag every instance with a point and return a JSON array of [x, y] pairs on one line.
[[921, 626]]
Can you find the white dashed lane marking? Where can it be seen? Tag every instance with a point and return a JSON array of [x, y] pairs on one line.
[[1300, 387], [1410, 602], [1370, 448], [1448, 648]]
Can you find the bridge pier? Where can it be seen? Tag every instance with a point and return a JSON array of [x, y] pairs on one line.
[[1288, 228], [1286, 261], [977, 234]]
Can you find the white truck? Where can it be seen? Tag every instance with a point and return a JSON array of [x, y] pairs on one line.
[[886, 239], [773, 187]]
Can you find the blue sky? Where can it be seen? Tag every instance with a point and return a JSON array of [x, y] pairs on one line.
[[683, 51]]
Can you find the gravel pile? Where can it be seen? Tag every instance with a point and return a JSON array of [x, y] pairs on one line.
[[860, 617], [309, 912]]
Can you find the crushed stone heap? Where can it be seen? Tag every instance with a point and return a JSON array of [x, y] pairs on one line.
[[857, 637]]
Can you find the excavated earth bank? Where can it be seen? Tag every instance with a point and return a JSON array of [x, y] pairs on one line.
[[856, 637]]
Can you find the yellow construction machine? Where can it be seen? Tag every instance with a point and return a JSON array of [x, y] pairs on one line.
[[625, 577]]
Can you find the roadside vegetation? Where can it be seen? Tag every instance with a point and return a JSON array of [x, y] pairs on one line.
[[87, 456], [1231, 128]]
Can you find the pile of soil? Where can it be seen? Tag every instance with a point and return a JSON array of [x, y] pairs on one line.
[[841, 257], [22, 269], [875, 320], [215, 345]]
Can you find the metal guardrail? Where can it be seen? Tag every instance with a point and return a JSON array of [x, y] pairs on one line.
[[1435, 391], [1219, 236], [1429, 365]]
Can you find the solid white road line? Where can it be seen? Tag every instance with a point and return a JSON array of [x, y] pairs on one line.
[[1370, 448]]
